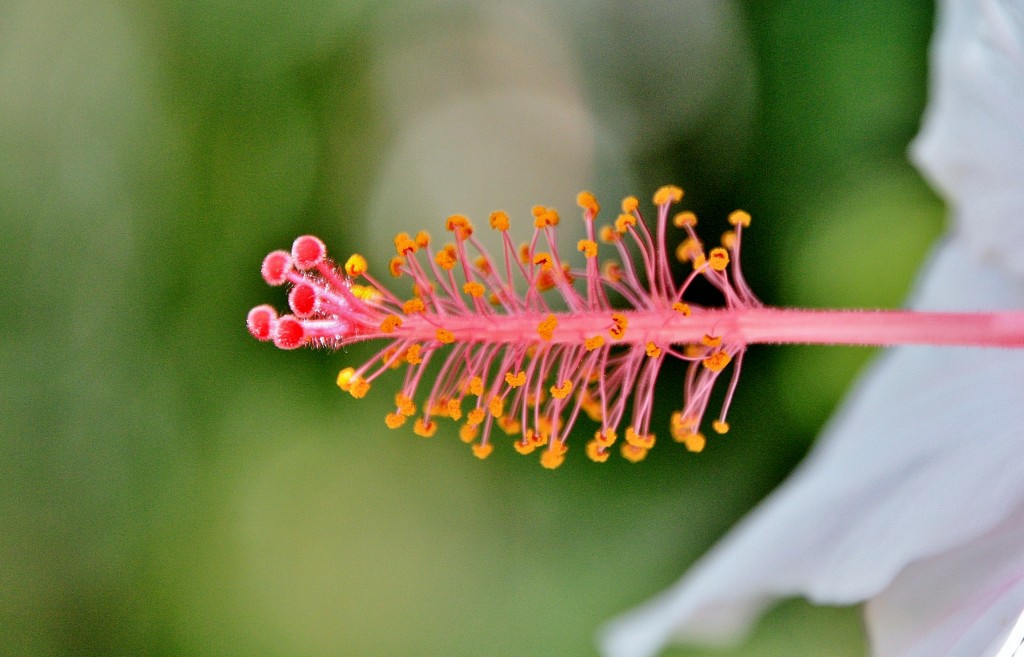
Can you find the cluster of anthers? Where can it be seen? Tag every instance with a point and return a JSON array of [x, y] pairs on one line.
[[529, 342]]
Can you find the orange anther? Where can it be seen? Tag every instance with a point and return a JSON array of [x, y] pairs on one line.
[[587, 247], [499, 220], [390, 323], [668, 194], [588, 202], [546, 329], [739, 218], [717, 361], [562, 390], [515, 380], [619, 324]]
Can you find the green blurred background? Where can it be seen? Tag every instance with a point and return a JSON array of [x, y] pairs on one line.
[[169, 486]]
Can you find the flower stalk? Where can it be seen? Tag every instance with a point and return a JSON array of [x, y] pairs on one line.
[[530, 343]]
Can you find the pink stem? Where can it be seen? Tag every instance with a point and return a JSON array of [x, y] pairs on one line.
[[744, 326], [881, 327]]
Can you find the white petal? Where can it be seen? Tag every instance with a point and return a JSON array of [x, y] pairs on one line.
[[971, 144], [973, 610], [923, 457]]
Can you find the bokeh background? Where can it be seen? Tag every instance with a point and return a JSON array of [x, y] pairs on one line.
[[169, 486]]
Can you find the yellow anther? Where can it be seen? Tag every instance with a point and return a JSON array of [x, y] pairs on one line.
[[359, 387], [484, 265], [695, 441], [619, 324], [355, 266], [717, 361], [543, 260], [562, 390], [524, 446], [632, 453], [390, 323], [447, 257], [684, 430], [553, 456], [545, 280], [515, 380], [405, 405], [624, 222], [720, 426], [689, 249], [496, 407], [546, 329], [460, 225], [364, 292], [718, 258], [474, 289], [587, 247], [630, 204], [646, 441], [423, 239], [524, 253], [394, 420], [476, 386], [544, 217], [482, 451], [594, 342], [699, 261], [414, 306], [475, 416], [681, 308], [594, 410], [499, 220], [345, 378], [612, 271], [684, 219], [729, 239], [608, 235], [588, 202], [395, 266], [693, 350], [437, 407], [509, 425], [425, 428], [605, 437], [739, 218], [412, 354], [545, 426], [711, 340], [422, 291], [453, 408], [668, 194], [653, 350], [467, 433], [682, 422], [596, 453], [404, 244]]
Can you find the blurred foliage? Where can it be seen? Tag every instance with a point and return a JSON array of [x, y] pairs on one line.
[[171, 487]]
